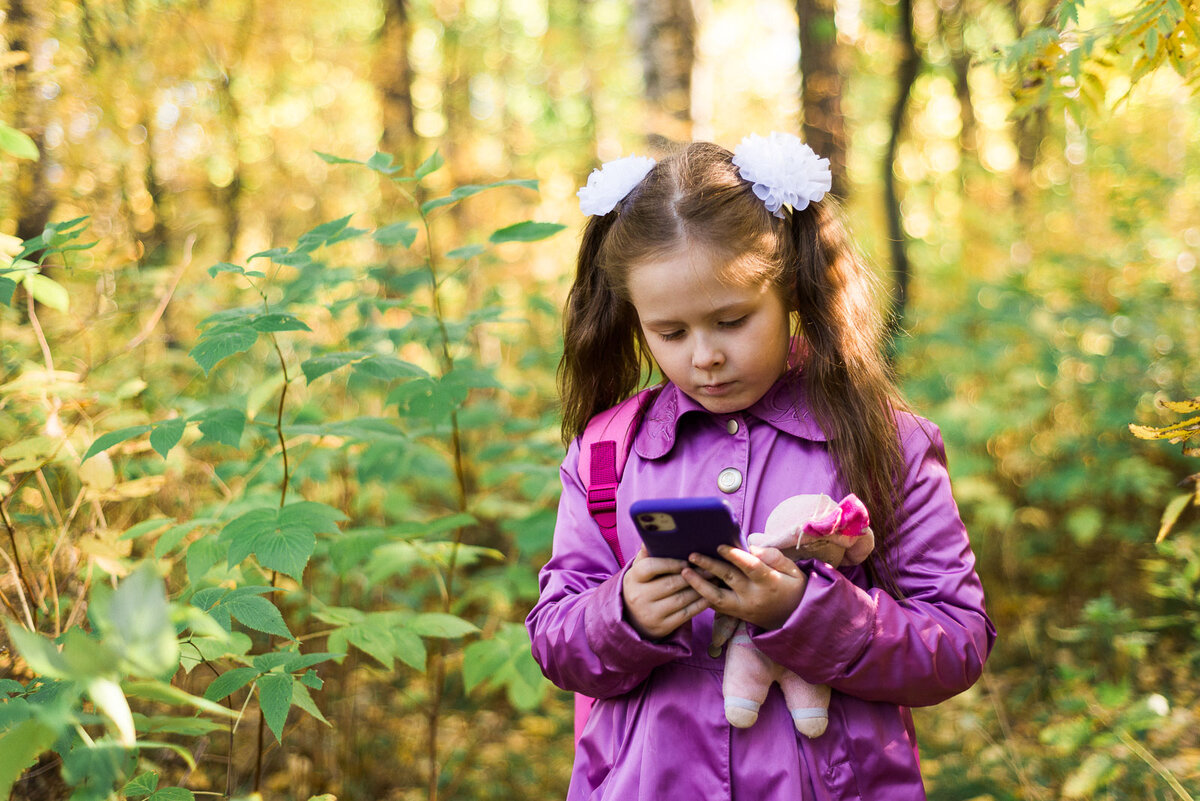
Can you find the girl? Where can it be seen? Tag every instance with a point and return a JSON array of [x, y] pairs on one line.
[[734, 277]]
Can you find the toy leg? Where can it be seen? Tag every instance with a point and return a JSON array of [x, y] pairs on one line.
[[808, 703], [748, 676]]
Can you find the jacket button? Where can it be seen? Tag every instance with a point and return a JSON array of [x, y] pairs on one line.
[[731, 426], [729, 480]]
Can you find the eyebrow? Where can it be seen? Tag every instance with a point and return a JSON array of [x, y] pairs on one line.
[[721, 311]]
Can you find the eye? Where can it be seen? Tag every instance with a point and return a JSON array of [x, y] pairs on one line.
[[734, 323], [670, 336]]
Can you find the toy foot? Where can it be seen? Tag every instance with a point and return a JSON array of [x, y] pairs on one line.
[[741, 712], [809, 722]]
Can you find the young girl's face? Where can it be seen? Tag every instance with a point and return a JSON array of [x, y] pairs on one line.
[[723, 344]]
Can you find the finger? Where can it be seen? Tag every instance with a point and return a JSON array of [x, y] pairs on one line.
[[714, 568], [774, 558], [652, 566], [749, 564], [664, 587], [687, 611], [711, 593]]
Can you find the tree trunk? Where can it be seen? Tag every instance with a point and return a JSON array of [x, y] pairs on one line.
[[821, 86], [1030, 130], [26, 26], [906, 76], [952, 19], [665, 31], [393, 77]]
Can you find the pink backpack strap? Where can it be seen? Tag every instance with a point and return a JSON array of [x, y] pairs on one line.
[[603, 451]]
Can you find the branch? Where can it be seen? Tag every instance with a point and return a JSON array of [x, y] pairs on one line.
[[166, 298]]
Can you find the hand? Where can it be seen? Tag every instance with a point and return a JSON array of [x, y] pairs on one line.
[[763, 586], [657, 598]]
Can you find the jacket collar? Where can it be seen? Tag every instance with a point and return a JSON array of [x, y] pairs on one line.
[[784, 407]]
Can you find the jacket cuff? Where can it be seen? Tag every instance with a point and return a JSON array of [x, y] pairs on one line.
[[829, 630], [617, 644]]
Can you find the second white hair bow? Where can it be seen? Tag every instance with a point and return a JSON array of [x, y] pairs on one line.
[[783, 170]]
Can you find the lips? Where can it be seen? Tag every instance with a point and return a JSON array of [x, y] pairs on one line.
[[713, 390]]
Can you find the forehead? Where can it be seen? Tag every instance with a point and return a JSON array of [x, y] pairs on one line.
[[689, 282]]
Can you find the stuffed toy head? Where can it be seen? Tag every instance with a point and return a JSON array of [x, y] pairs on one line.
[[817, 527]]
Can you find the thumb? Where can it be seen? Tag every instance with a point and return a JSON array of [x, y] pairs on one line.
[[774, 558]]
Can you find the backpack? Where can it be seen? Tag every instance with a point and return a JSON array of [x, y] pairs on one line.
[[603, 451]]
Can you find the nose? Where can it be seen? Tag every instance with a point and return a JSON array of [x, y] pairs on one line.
[[706, 355]]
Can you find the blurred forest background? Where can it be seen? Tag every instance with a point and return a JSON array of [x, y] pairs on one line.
[[278, 336]]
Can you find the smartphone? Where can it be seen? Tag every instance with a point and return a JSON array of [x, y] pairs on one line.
[[678, 527]]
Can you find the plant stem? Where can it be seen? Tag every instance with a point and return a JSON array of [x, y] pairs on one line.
[[15, 562], [279, 422]]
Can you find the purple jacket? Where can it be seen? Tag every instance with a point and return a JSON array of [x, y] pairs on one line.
[[659, 729]]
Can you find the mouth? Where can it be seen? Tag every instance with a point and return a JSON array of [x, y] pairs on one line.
[[715, 390]]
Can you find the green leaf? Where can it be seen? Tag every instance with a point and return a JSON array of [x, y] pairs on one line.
[[148, 526], [230, 682], [106, 441], [400, 233], [467, 252], [173, 794], [245, 605], [441, 625], [165, 693], [324, 232], [222, 341], [318, 366], [95, 767], [468, 190], [166, 435], [329, 159], [16, 143], [482, 660], [47, 291], [388, 368], [275, 698], [429, 165], [282, 539], [223, 425], [38, 652], [136, 622], [525, 232], [278, 322], [304, 700], [1171, 514], [258, 613], [191, 726], [269, 253], [225, 267], [7, 289], [145, 784], [382, 162], [20, 747], [201, 556]]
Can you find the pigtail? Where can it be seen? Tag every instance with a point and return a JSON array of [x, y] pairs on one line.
[[847, 381], [601, 361]]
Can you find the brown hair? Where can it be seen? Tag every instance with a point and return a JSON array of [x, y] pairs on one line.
[[696, 198]]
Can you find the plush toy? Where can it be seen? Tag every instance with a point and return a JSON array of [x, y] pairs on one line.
[[803, 527]]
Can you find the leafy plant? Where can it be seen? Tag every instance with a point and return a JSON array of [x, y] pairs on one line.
[[269, 559]]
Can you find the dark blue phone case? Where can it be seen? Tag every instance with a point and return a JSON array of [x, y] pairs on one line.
[[679, 527]]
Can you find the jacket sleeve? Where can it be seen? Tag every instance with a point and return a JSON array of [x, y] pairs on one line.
[[578, 630], [917, 651]]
